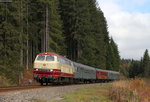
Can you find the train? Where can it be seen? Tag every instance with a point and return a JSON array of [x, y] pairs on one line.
[[53, 68]]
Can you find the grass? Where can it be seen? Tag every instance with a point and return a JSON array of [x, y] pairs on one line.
[[97, 93]]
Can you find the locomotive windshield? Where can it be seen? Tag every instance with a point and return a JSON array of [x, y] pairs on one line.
[[43, 58], [40, 58], [50, 58]]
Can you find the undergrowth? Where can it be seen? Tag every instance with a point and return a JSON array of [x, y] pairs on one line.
[[4, 81], [134, 90]]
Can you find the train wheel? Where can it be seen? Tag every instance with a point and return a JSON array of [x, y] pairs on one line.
[[46, 83], [41, 83]]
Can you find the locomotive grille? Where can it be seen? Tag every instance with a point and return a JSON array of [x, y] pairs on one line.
[[44, 70]]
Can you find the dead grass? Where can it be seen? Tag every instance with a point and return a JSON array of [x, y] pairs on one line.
[[27, 78], [147, 82], [134, 90], [5, 82]]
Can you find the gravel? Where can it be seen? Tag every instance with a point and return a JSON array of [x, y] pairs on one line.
[[45, 94]]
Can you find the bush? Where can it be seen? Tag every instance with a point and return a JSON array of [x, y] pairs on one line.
[[11, 73]]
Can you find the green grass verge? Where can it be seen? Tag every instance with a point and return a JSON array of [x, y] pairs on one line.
[[97, 93]]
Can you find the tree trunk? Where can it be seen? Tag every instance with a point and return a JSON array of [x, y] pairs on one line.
[[47, 35]]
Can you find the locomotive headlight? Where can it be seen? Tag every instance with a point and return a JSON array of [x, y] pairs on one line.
[[36, 69], [50, 70]]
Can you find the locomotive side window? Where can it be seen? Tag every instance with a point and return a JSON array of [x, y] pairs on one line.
[[40, 58], [59, 59], [49, 58]]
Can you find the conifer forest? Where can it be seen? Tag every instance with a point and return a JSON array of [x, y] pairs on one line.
[[76, 29]]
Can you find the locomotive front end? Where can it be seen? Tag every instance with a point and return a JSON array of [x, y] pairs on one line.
[[46, 68]]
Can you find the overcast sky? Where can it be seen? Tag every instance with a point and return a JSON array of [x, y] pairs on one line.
[[129, 24]]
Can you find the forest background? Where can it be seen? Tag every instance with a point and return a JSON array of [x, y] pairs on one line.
[[76, 29]]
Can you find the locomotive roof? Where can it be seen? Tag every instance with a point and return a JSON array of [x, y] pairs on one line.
[[52, 54], [48, 53]]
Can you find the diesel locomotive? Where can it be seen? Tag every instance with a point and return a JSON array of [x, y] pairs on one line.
[[53, 68]]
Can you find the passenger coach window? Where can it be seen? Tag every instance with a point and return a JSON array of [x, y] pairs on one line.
[[41, 58], [50, 58]]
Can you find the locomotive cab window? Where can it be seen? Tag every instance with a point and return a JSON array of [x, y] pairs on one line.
[[40, 58], [49, 58]]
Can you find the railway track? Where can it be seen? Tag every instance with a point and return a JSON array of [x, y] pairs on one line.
[[19, 88]]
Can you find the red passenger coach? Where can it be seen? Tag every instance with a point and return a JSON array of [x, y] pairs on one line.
[[101, 75]]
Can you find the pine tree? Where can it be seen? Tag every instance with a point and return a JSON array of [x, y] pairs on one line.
[[146, 64], [11, 38], [68, 16], [83, 35], [113, 58], [86, 32], [134, 69], [110, 58], [45, 28], [101, 37], [56, 36]]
